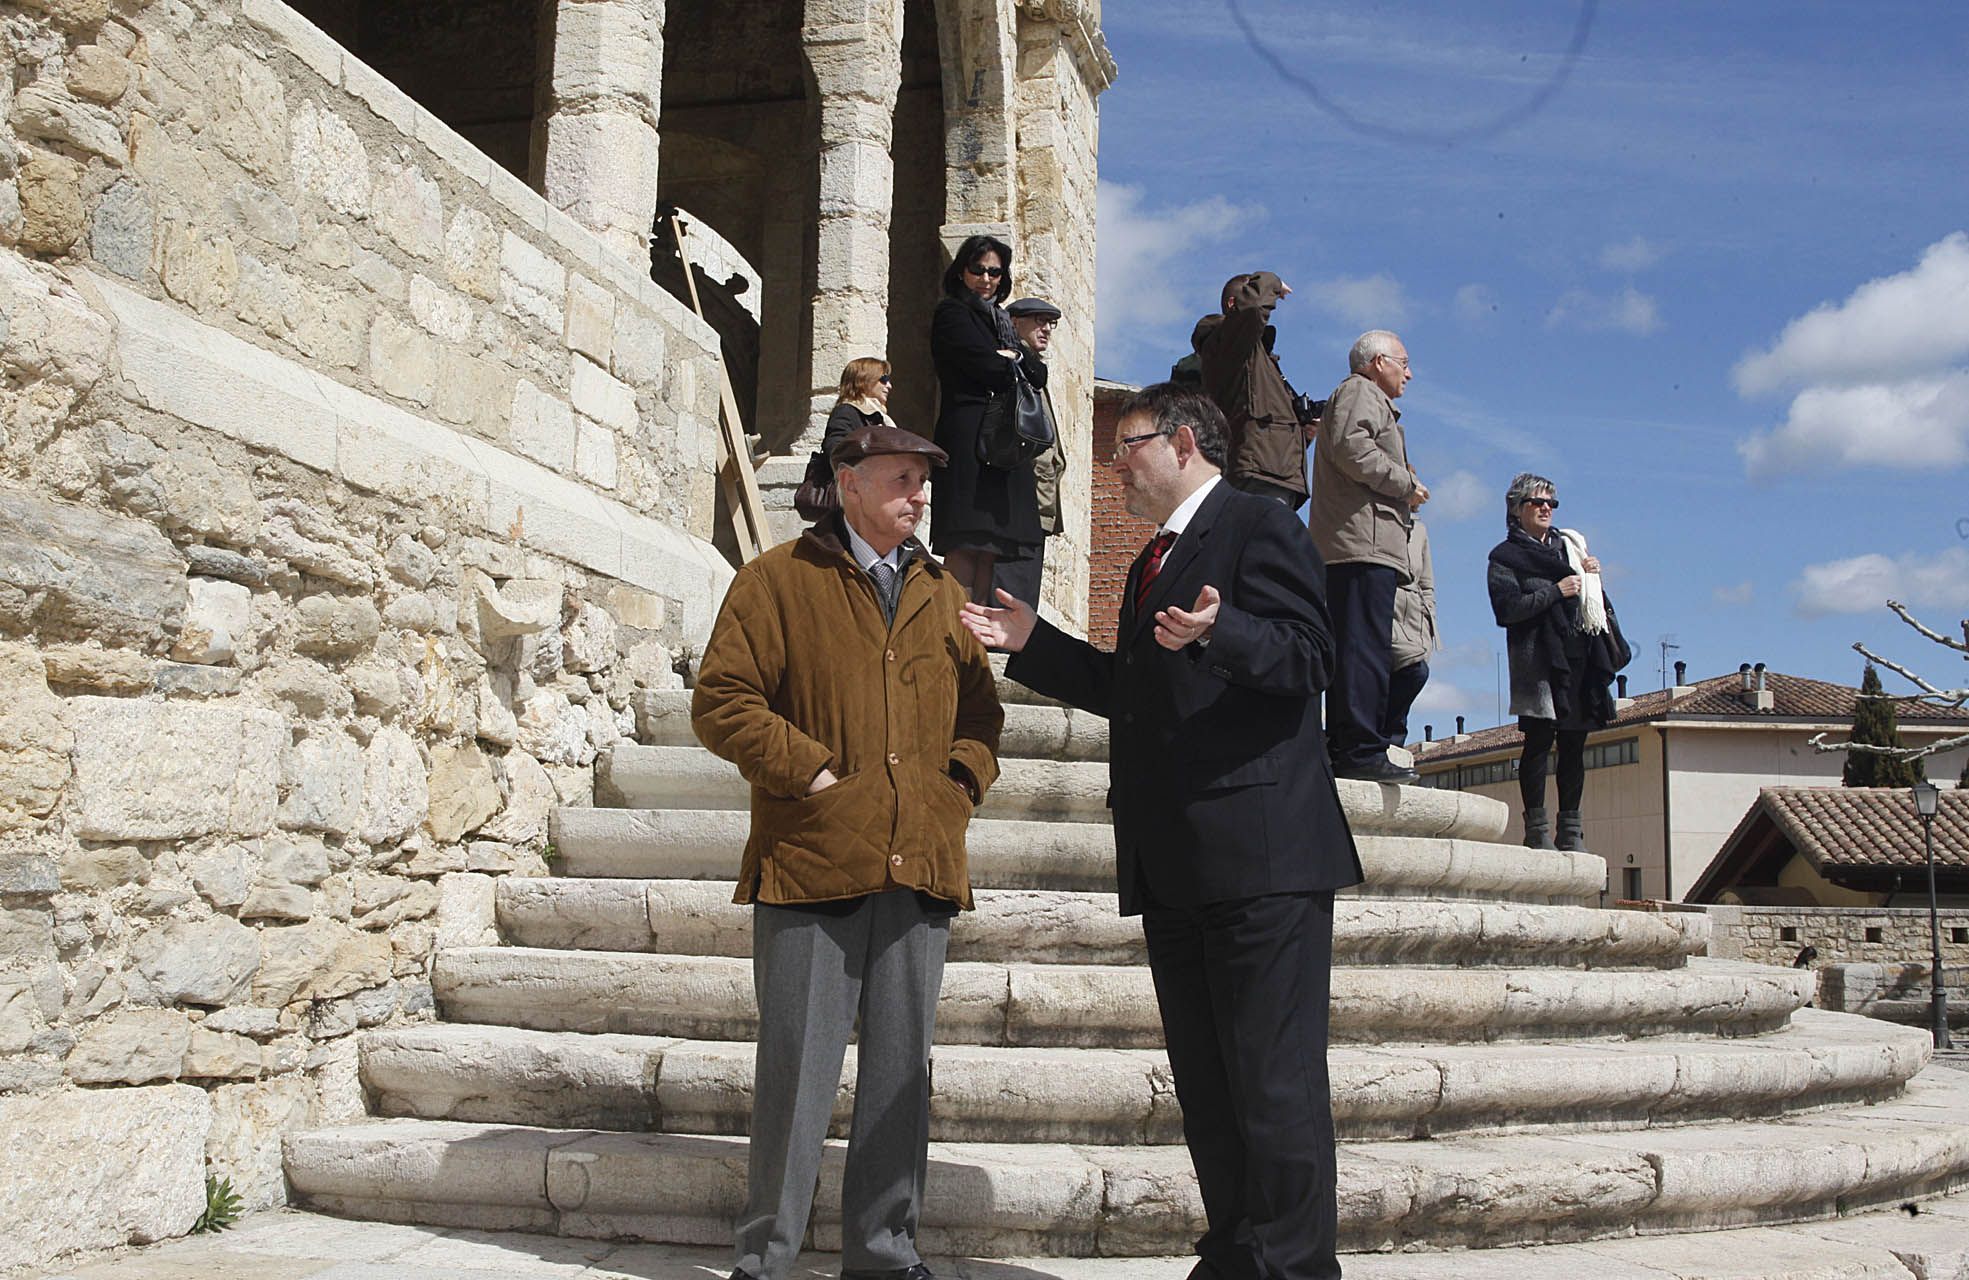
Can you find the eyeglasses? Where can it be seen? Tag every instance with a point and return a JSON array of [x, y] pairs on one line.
[[989, 273], [1547, 504], [884, 379], [1400, 360], [1126, 445]]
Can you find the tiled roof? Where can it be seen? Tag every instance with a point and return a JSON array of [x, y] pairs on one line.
[[1845, 827], [1792, 697]]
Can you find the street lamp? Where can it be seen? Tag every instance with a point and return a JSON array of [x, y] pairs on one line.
[[1927, 800]]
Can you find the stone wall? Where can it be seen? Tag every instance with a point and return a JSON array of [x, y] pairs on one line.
[[349, 494], [1870, 935]]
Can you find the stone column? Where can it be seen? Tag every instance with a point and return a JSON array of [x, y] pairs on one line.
[[855, 50], [597, 150]]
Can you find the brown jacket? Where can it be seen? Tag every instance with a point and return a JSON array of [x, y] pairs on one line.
[[1242, 376], [1048, 468], [802, 673], [1361, 479], [1415, 604]]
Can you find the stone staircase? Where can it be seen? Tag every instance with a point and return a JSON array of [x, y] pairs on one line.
[[1511, 1065]]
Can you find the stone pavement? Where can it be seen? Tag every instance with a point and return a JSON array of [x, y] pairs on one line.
[[1896, 1244]]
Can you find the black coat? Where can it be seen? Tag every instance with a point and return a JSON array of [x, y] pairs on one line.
[[1219, 778], [845, 418], [972, 505], [1558, 673]]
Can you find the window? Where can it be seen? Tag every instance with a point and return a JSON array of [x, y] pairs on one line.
[[1631, 886], [1958, 933], [1874, 933], [1605, 755], [1788, 933]]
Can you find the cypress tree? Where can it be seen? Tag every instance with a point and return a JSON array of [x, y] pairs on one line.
[[1874, 722]]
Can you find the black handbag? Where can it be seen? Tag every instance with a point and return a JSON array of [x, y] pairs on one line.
[[1016, 427], [817, 498]]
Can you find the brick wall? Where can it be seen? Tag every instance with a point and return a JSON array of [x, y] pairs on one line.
[[1116, 536]]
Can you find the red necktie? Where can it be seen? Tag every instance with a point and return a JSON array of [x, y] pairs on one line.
[[1151, 566]]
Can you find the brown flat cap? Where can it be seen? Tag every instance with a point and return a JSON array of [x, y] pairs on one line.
[[871, 442]]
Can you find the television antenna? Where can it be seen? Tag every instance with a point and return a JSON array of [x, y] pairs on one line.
[[1667, 643]]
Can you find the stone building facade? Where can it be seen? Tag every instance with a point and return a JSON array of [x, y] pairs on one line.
[[357, 480]]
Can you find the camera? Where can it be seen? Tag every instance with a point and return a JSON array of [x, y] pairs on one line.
[[1307, 409]]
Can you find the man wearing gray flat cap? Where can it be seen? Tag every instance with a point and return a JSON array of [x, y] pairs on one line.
[[1034, 320], [841, 683]]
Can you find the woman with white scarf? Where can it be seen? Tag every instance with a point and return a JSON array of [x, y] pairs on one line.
[[1564, 646]]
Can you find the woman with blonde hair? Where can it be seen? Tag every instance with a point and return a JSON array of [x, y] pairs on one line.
[[864, 401]]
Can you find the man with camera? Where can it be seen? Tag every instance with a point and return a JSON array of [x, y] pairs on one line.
[[1270, 425]]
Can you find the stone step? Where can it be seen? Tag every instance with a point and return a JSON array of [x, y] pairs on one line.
[[1884, 1245], [564, 1079], [1103, 1006], [1000, 1200], [706, 844], [1046, 926], [1050, 732], [633, 776]]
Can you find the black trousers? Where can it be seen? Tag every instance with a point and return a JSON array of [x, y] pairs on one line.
[[1243, 989], [1404, 687], [1021, 577], [1539, 737], [1361, 600]]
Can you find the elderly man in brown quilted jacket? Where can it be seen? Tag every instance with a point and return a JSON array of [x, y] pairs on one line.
[[840, 682]]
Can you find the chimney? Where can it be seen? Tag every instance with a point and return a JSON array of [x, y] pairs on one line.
[[1755, 695], [1459, 726], [1743, 674], [1620, 686], [1681, 688], [1428, 733]]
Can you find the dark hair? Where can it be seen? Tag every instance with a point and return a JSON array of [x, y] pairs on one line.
[[973, 248], [1170, 405]]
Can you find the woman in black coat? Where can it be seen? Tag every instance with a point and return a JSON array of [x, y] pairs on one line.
[[980, 514], [1562, 655]]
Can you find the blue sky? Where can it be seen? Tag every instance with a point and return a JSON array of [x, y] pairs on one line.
[[1718, 288]]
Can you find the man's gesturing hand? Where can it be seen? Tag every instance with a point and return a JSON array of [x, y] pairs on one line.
[[1175, 627], [1008, 628]]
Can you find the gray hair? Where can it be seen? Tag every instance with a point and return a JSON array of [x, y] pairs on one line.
[[1524, 485], [1375, 342]]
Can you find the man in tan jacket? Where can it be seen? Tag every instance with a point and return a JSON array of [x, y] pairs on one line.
[[840, 682], [1364, 498]]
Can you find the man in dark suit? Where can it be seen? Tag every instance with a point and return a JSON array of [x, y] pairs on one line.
[[1229, 838]]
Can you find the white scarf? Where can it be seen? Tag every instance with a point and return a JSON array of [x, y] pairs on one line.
[[1592, 598]]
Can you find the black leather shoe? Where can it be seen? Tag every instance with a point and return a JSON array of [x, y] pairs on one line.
[[1381, 771], [916, 1272]]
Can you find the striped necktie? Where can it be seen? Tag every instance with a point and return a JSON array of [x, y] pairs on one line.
[[884, 574]]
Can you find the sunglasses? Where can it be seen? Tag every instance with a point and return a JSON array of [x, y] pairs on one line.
[[1548, 504], [884, 379], [989, 273]]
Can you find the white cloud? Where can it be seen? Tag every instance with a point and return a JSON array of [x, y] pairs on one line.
[[1912, 323], [1880, 378], [1913, 425], [1476, 305], [1633, 255], [1138, 298], [1366, 302], [1864, 583], [1740, 593], [1458, 496], [1629, 311]]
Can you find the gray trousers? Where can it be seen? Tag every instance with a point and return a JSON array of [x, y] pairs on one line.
[[812, 974]]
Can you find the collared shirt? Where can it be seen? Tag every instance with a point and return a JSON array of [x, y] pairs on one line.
[[865, 555], [1180, 518]]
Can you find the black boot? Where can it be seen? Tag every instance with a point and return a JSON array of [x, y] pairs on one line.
[[1538, 830], [1571, 834]]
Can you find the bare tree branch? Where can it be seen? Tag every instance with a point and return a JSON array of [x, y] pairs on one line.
[[1819, 744], [1961, 646], [1898, 670]]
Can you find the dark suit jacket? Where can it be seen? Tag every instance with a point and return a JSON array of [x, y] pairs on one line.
[[1219, 778]]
